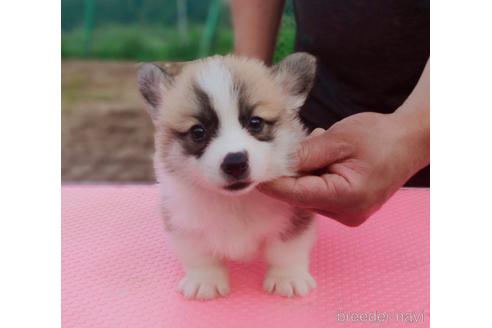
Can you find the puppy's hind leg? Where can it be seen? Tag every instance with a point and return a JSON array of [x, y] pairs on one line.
[[206, 276], [288, 264]]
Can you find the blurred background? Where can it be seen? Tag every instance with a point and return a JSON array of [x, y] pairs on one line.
[[106, 133]]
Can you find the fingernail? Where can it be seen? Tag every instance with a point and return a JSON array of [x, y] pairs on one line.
[[317, 132]]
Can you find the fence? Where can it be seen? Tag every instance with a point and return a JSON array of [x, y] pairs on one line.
[[154, 29]]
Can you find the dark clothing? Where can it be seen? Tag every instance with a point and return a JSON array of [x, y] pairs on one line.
[[370, 55]]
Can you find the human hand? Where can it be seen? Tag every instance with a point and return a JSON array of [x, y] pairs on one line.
[[359, 162]]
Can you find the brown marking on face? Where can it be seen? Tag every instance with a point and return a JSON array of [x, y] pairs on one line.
[[252, 78], [257, 96], [206, 119], [249, 110], [182, 107]]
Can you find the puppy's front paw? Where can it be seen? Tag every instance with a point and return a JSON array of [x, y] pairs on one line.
[[288, 282], [205, 283]]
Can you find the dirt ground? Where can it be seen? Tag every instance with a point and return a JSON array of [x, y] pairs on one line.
[[106, 133]]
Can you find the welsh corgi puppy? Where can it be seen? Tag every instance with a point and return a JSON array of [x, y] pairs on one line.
[[223, 125]]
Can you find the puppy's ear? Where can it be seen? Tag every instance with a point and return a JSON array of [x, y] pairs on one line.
[[153, 83], [295, 75]]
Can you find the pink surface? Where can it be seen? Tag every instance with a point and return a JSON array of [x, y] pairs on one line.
[[118, 272]]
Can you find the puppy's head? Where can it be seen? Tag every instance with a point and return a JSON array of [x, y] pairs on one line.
[[228, 123]]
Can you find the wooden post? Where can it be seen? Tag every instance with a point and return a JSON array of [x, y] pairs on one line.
[[210, 28], [88, 26]]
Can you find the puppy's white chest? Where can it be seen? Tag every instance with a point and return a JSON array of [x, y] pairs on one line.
[[236, 238], [230, 227]]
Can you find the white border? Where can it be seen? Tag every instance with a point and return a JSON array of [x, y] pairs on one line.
[[461, 164], [30, 164], [461, 192]]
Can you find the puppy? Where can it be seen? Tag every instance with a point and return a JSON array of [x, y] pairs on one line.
[[222, 126]]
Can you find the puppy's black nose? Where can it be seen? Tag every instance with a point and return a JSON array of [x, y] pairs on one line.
[[235, 165]]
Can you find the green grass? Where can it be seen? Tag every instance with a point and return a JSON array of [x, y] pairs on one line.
[[285, 39], [148, 43], [141, 43]]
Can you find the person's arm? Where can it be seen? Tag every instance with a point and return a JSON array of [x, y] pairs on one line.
[[256, 24], [414, 115], [364, 159]]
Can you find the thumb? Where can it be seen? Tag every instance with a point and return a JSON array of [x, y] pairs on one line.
[[317, 132], [314, 192], [319, 150]]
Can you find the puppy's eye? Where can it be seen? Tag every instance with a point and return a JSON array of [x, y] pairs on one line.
[[198, 133], [255, 124]]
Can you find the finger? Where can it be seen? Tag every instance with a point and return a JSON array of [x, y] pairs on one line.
[[305, 192], [286, 189], [313, 192], [319, 151], [317, 132]]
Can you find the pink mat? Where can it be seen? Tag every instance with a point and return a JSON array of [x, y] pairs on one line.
[[118, 272]]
